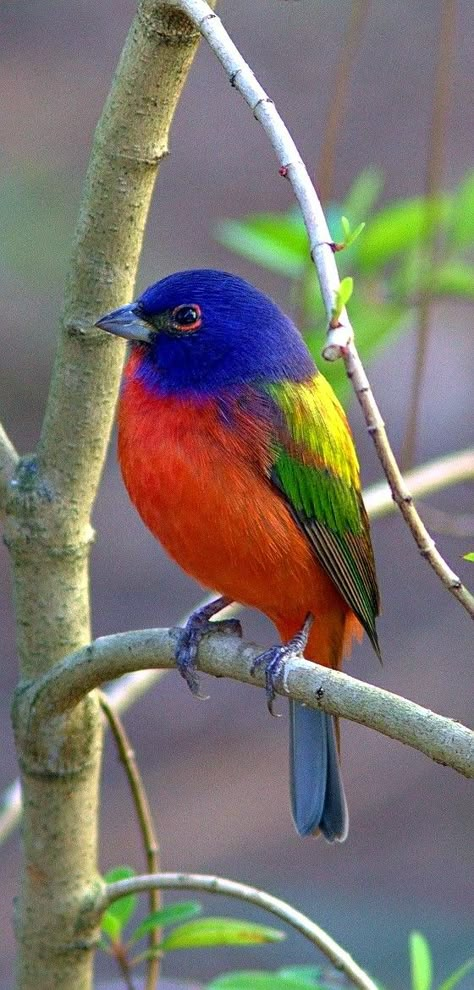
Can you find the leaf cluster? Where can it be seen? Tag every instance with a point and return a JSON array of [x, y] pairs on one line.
[[314, 978], [186, 933], [389, 258], [189, 932]]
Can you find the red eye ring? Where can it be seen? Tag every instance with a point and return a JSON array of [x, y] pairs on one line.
[[186, 317]]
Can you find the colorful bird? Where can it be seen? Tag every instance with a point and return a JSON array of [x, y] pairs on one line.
[[240, 460]]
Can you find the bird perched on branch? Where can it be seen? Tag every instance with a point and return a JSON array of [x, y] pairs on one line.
[[240, 460]]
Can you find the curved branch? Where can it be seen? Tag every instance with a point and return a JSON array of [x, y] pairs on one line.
[[400, 492], [230, 888], [61, 688], [431, 477], [340, 337], [8, 463], [145, 820], [424, 480]]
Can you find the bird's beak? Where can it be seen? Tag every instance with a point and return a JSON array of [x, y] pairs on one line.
[[126, 322]]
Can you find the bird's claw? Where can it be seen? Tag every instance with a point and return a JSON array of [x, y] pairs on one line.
[[273, 660], [196, 628]]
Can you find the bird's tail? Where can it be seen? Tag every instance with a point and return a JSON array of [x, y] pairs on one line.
[[318, 801]]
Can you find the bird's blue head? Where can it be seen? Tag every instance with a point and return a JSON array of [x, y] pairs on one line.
[[203, 332]]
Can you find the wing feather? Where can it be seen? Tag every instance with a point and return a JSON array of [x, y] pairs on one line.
[[316, 471]]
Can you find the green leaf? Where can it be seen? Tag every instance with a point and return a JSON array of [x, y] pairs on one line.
[[462, 229], [452, 981], [453, 279], [469, 556], [343, 295], [350, 235], [165, 916], [219, 931], [117, 915], [310, 977], [346, 227], [277, 241], [254, 979], [364, 192], [398, 227], [420, 962], [355, 233], [111, 926]]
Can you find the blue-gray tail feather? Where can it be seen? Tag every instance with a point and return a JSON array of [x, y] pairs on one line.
[[318, 802]]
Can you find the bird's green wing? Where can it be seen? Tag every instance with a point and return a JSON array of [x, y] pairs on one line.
[[316, 470]]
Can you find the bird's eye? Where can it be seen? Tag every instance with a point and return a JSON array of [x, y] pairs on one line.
[[187, 318]]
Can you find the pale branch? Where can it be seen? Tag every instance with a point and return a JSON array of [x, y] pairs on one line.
[[338, 956], [442, 88], [243, 79], [122, 694], [62, 688], [10, 810], [145, 820], [442, 472], [8, 463], [400, 491], [340, 337]]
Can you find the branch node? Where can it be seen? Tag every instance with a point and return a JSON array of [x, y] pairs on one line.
[[233, 76], [260, 102]]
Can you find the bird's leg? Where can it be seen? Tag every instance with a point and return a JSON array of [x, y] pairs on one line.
[[197, 626], [273, 659]]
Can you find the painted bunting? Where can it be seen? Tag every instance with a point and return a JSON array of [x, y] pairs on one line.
[[240, 460]]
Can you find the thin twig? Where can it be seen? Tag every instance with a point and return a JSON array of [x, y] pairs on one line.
[[61, 689], [145, 820], [434, 175], [424, 480], [340, 338], [8, 463], [338, 94], [400, 492], [251, 895], [339, 91]]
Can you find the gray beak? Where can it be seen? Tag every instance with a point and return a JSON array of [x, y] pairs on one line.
[[125, 322]]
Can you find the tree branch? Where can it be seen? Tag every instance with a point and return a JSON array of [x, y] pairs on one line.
[[48, 531], [145, 821], [424, 480], [8, 463], [230, 888], [429, 259], [340, 337], [61, 689], [339, 90], [400, 492]]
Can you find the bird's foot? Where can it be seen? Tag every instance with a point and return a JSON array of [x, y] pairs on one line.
[[198, 626], [273, 660]]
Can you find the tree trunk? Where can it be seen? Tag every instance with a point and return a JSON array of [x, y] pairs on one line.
[[48, 528]]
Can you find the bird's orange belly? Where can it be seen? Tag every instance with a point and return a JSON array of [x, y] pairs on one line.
[[218, 516]]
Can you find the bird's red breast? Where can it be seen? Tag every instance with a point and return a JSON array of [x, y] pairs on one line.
[[201, 484]]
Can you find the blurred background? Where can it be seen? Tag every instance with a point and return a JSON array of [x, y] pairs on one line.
[[217, 772]]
